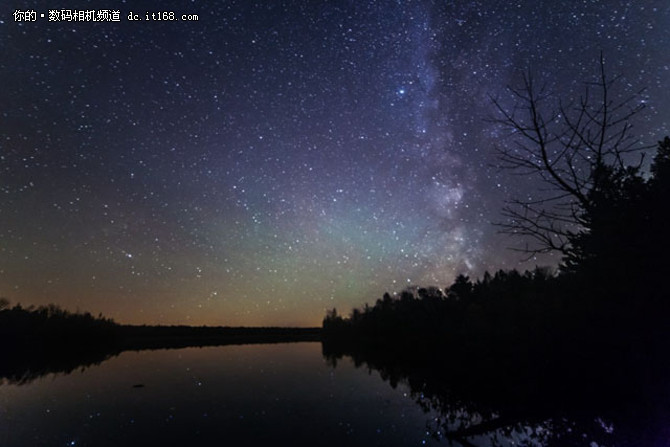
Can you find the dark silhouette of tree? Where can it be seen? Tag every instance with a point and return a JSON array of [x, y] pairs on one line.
[[51, 325], [461, 289], [621, 256], [572, 148]]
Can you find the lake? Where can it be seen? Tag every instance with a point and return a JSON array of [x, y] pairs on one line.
[[295, 394], [274, 394]]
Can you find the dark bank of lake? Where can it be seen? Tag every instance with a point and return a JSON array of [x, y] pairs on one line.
[[258, 395]]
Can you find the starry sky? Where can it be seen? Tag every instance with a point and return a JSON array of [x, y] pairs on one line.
[[274, 159]]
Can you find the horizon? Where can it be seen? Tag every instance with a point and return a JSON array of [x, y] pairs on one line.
[[264, 163]]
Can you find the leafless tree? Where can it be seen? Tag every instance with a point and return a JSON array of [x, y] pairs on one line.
[[569, 147]]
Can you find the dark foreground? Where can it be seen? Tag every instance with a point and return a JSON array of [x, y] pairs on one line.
[[574, 402], [605, 381], [466, 402]]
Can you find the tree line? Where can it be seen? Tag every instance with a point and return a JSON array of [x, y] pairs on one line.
[[610, 287], [604, 210], [50, 324]]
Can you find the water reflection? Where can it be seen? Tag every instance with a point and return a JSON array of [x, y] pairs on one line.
[[309, 394], [252, 395], [23, 367], [25, 362], [475, 408]]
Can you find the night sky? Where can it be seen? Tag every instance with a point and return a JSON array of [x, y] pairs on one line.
[[274, 159]]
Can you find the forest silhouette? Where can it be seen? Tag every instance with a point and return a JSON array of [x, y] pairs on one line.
[[586, 341], [609, 291], [590, 339], [48, 339]]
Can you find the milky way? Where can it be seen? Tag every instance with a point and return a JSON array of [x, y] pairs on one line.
[[271, 160]]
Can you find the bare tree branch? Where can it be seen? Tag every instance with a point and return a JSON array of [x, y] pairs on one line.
[[568, 146]]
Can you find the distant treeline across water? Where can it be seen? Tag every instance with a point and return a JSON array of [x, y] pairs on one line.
[[49, 339]]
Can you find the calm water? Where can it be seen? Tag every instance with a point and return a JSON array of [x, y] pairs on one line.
[[280, 394], [289, 394]]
